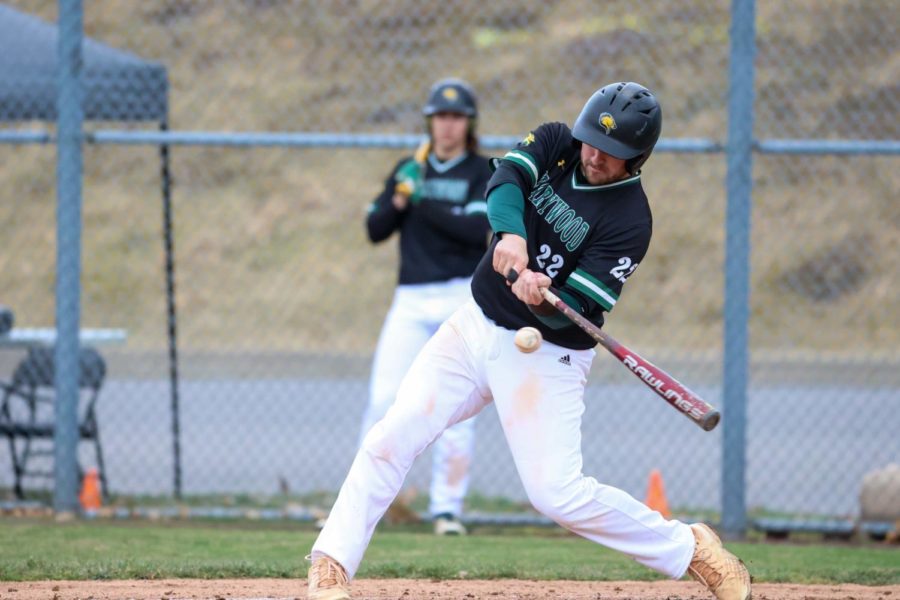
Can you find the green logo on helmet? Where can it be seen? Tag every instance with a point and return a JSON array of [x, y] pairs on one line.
[[607, 122]]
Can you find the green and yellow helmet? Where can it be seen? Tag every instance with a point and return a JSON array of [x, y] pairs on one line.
[[622, 119]]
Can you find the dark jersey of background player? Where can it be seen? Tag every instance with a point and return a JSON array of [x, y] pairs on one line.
[[587, 238], [444, 235]]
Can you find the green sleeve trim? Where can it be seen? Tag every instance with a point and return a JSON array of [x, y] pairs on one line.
[[592, 287], [524, 160], [506, 209]]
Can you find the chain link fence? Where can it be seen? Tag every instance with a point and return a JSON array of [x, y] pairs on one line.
[[280, 297]]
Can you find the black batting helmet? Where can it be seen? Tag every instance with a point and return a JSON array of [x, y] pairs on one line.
[[451, 95], [622, 119]]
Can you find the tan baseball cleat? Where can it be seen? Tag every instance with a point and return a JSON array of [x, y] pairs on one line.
[[327, 580], [718, 569]]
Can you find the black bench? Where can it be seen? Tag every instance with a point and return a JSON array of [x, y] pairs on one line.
[[27, 411]]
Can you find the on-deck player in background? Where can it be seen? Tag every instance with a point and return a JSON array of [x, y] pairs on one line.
[[435, 200], [567, 208]]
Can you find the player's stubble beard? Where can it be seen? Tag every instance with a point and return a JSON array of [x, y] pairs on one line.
[[600, 174], [601, 168]]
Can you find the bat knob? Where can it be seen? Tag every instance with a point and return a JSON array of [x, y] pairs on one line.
[[710, 420], [512, 276]]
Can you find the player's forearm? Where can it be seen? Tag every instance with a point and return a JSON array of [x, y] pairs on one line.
[[506, 209], [382, 221]]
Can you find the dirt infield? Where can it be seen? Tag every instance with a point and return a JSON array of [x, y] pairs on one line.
[[415, 589]]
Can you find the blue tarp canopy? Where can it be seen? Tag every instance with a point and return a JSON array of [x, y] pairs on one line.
[[118, 86]]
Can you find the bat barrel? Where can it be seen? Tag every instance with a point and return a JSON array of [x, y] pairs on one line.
[[710, 420]]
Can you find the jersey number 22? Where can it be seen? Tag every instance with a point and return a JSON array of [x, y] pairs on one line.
[[555, 264], [625, 268]]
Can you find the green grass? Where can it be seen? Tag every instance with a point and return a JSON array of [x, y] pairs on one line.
[[38, 550]]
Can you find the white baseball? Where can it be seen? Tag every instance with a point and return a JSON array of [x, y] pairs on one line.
[[528, 339]]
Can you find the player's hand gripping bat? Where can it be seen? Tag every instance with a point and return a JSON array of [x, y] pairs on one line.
[[408, 184], [669, 388]]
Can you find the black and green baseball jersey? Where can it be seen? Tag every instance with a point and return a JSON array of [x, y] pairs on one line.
[[445, 234], [588, 239]]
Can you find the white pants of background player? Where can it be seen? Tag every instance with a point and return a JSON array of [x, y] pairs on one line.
[[415, 315], [469, 363]]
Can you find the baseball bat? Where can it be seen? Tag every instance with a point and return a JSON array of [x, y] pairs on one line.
[[669, 389]]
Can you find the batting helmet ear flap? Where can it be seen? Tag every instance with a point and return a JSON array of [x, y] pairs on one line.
[[633, 165]]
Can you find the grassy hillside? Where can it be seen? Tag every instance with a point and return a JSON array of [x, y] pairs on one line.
[[270, 242]]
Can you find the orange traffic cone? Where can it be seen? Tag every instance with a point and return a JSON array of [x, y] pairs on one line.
[[656, 494], [90, 491]]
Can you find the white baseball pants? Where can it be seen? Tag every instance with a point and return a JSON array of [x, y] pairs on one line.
[[415, 315], [539, 398]]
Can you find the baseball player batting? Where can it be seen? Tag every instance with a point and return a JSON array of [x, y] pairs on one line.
[[567, 209]]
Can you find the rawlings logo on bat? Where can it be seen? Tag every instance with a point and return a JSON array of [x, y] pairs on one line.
[[659, 384]]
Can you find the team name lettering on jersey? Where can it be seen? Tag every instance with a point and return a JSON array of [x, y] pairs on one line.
[[447, 190], [571, 228]]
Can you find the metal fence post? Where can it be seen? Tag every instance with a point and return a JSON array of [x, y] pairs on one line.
[[171, 315], [68, 254], [737, 266]]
